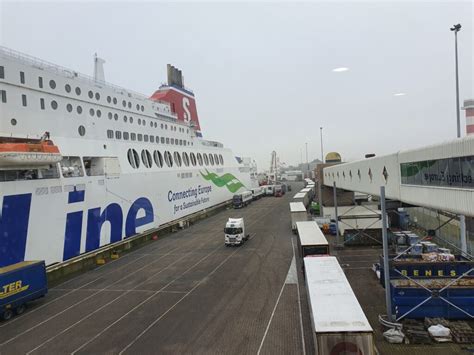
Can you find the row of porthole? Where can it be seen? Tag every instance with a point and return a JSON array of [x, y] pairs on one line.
[[166, 158], [145, 138], [78, 91]]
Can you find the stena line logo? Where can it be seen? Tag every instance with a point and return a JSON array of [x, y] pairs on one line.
[[15, 216]]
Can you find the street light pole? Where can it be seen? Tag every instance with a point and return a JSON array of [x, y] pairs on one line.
[[307, 163], [322, 153], [462, 218], [456, 29]]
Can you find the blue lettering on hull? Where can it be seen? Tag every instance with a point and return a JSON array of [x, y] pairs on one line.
[[15, 215], [14, 228]]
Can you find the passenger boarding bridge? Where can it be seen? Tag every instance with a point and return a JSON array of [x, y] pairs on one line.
[[440, 176]]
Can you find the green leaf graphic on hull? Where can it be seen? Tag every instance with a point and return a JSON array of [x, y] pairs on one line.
[[228, 180]]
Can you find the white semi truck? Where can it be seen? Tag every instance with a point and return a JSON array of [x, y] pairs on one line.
[[234, 232]]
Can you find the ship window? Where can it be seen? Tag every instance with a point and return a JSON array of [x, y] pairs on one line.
[[177, 158], [71, 167], [166, 126], [199, 158], [23, 100], [144, 123], [42, 103], [167, 141], [168, 159], [115, 101], [145, 137], [78, 90], [140, 137], [95, 166], [221, 159], [22, 77], [146, 158], [40, 82], [156, 124], [91, 112], [125, 136], [97, 96], [152, 139], [129, 104], [110, 134], [67, 87], [79, 109], [2, 72], [91, 94], [133, 158], [3, 93], [54, 105], [162, 140], [133, 136], [206, 159], [216, 159], [118, 135], [52, 84], [109, 99], [116, 117], [138, 107], [81, 130], [13, 122], [124, 103], [131, 119], [162, 126], [125, 119], [99, 113], [185, 159], [172, 140], [139, 121], [158, 158], [143, 108], [211, 159], [193, 159]]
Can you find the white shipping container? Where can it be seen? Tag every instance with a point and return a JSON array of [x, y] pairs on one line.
[[338, 321]]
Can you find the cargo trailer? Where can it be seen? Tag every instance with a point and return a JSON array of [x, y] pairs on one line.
[[21, 283], [311, 240], [302, 197], [298, 213], [339, 325]]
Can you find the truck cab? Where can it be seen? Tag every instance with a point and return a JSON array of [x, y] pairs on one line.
[[234, 232]]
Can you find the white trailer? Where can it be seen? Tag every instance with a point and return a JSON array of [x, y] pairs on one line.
[[257, 192], [338, 321], [234, 232], [311, 240], [298, 213], [302, 197]]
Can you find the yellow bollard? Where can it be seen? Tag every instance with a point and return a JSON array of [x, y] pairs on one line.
[[100, 261], [114, 255]]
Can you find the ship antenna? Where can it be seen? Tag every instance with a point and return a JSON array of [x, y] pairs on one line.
[[99, 74]]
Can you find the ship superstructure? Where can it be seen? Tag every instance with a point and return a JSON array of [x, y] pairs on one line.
[[128, 163]]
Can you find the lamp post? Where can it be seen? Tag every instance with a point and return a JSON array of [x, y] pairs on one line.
[[456, 29], [462, 218], [307, 163], [322, 153]]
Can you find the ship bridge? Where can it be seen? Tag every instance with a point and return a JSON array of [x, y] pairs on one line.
[[440, 176]]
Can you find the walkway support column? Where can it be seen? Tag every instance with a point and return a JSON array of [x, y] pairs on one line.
[[462, 226], [386, 270], [335, 212]]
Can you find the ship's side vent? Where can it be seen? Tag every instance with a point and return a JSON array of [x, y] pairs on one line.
[[56, 189], [41, 191]]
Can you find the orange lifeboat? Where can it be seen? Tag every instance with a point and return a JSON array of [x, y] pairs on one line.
[[16, 154]]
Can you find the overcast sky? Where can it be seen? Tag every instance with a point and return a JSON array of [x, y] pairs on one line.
[[262, 72]]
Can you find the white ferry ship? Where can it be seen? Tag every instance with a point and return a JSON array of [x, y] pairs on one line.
[[84, 163]]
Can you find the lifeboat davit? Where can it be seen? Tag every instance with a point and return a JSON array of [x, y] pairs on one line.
[[28, 154]]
